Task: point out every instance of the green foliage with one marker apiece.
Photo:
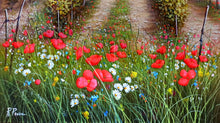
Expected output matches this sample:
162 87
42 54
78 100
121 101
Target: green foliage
64 6
168 9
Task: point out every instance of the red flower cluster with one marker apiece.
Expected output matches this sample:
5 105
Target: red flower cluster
122 54
152 56
186 77
58 44
180 56
191 63
29 48
48 34
94 60
103 75
61 35
113 48
99 45
79 53
161 50
6 44
123 45
158 64
87 81
203 58
17 44
111 57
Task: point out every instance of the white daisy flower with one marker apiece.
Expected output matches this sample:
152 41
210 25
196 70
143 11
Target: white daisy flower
44 50
16 71
76 96
125 84
176 66
132 88
116 94
43 56
38 53
50 64
112 70
21 65
59 53
183 64
143 59
74 102
177 61
127 89
42 46
83 95
115 66
20 69
118 86
128 79
136 86
56 57
165 74
29 64
50 57
26 72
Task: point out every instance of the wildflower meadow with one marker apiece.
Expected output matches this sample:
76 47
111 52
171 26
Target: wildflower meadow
111 74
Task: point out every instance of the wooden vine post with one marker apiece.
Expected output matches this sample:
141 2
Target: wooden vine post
58 18
15 36
176 26
202 31
6 34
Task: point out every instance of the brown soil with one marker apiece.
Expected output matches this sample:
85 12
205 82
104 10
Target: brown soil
194 24
98 18
142 16
29 9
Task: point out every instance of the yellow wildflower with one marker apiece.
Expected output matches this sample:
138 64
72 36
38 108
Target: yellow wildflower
207 73
57 98
200 73
56 79
35 100
6 68
133 74
170 90
54 83
86 114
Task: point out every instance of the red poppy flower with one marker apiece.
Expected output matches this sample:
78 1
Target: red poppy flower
25 32
6 44
112 42
29 48
121 54
177 47
70 32
40 36
194 52
94 60
86 50
191 74
48 34
13 30
123 45
62 35
113 48
103 75
152 56
17 44
99 45
74 72
203 58
87 81
191 63
58 44
111 57
188 75
161 50
113 35
180 56
79 53
158 64
139 52
183 81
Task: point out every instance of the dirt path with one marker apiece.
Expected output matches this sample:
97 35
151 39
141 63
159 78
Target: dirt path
99 17
142 16
194 24
29 9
